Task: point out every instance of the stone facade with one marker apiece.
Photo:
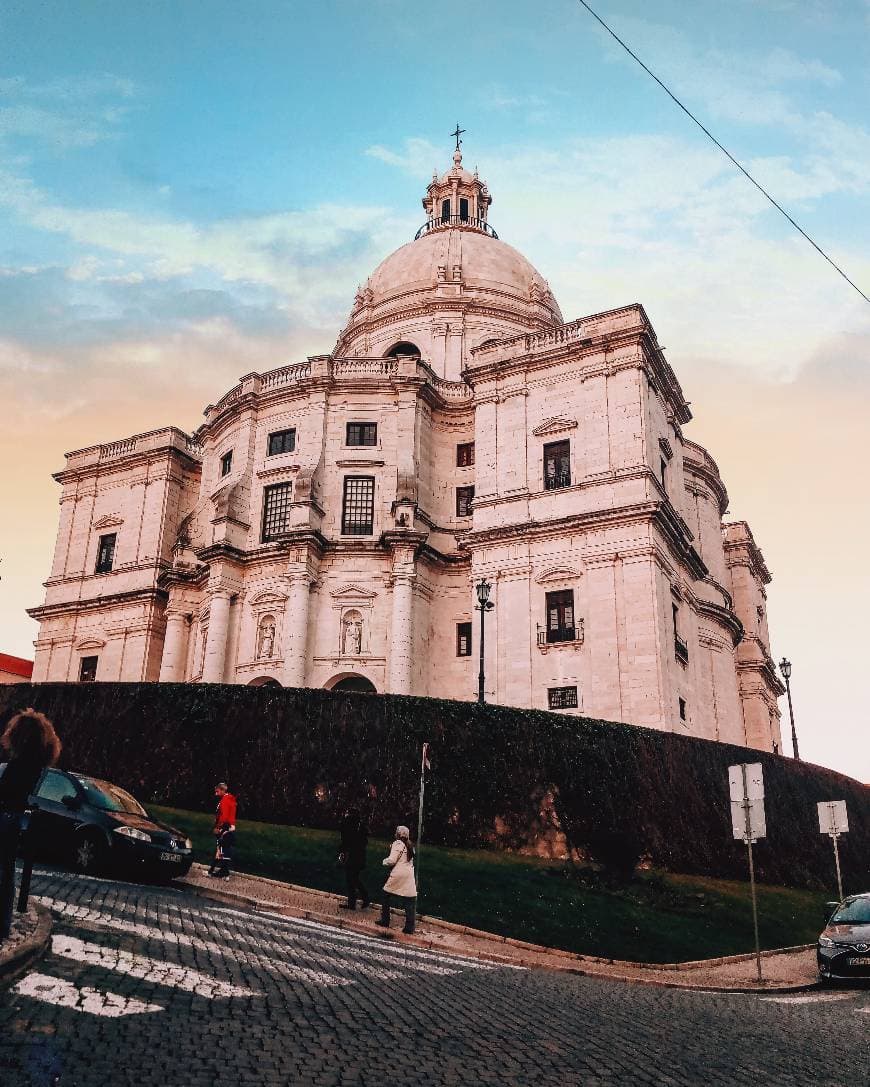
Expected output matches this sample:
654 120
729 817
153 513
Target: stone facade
328 522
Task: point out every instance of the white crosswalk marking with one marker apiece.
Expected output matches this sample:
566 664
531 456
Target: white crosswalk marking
67 995
148 969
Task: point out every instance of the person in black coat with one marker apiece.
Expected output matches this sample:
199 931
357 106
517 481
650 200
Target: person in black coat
29 744
354 839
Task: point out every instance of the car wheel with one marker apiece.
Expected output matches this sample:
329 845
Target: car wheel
89 853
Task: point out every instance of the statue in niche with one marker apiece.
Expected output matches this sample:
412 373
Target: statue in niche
351 634
266 648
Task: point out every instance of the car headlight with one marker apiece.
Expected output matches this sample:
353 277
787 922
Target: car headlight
132 832
826 941
188 844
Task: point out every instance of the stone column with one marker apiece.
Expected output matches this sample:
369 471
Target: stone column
296 629
401 633
216 639
174 647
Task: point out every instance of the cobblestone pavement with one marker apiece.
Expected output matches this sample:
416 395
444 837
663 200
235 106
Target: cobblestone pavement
150 987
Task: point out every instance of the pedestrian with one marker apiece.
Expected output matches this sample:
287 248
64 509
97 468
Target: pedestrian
401 884
29 744
354 839
224 831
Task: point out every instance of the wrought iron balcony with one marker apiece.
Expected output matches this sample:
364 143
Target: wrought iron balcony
557 480
560 634
441 221
681 650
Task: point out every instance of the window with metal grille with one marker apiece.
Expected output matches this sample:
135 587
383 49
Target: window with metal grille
106 553
463 639
362 434
227 463
88 669
358 506
560 616
562 698
464 498
557 465
281 441
276 503
465 454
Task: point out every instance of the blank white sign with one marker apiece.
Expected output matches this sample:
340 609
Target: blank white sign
833 818
757 822
754 781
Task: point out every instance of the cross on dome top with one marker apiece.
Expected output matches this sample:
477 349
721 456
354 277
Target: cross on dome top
457 199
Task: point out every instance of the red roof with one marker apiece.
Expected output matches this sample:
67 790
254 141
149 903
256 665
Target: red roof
18 666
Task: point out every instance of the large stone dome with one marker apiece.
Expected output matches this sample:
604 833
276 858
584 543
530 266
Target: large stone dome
451 289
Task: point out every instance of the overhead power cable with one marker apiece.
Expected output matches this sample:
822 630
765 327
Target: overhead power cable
723 149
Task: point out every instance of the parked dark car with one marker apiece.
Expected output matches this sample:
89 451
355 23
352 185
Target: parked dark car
844 945
97 827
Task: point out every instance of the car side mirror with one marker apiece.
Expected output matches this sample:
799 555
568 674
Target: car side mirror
71 802
829 910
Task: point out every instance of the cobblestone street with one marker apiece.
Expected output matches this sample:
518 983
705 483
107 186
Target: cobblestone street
148 986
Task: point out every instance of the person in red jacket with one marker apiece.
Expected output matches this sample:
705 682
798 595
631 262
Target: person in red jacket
224 831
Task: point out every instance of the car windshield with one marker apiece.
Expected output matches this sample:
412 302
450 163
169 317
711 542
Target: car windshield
100 794
856 912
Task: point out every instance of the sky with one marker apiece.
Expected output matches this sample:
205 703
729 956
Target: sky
193 190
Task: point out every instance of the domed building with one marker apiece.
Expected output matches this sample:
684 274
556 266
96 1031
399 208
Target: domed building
331 521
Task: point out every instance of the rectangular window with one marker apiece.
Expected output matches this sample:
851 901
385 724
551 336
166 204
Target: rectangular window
557 465
463 639
663 468
562 698
463 209
560 616
464 498
362 434
682 704
106 553
276 504
445 211
227 463
465 455
681 648
88 669
358 506
281 441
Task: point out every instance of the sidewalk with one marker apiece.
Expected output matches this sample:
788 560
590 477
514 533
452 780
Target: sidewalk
31 932
785 970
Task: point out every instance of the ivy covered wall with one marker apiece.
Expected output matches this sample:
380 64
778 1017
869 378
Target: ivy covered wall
500 776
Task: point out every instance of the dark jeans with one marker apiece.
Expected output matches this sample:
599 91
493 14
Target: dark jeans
226 844
355 885
409 905
10 832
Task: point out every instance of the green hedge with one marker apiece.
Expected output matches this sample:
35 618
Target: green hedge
299 756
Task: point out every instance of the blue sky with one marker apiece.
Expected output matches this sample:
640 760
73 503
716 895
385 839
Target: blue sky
189 191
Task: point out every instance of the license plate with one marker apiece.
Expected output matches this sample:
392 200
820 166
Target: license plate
176 857
859 960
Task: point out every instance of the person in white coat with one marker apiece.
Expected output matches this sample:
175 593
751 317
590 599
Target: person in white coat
401 884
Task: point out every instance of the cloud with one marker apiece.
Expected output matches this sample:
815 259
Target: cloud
419 158
63 113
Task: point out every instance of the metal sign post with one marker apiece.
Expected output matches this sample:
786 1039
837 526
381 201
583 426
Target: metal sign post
746 787
424 766
834 821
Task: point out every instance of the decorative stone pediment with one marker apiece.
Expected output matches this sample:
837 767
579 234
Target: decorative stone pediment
268 597
557 573
90 643
109 520
352 592
554 426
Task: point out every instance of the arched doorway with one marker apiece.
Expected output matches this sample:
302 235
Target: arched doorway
358 684
264 681
403 347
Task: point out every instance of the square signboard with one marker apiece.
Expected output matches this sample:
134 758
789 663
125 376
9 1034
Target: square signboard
833 818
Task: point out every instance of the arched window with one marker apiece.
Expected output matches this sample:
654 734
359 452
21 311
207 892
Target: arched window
403 347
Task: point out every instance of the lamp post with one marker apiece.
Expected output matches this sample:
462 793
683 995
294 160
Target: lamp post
785 668
484 604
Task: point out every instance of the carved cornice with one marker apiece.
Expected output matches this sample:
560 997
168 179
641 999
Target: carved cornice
724 617
110 600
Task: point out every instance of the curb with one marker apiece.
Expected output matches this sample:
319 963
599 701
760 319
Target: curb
29 950
587 969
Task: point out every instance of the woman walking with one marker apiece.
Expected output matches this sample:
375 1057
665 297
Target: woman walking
401 884
29 744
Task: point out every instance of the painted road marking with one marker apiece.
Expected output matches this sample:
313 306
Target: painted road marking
141 966
66 995
808 998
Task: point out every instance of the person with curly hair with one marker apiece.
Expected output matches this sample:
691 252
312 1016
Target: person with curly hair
29 744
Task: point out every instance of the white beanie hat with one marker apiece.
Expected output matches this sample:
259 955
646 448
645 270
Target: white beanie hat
403 832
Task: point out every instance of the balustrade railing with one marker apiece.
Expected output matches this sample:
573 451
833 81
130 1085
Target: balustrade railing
441 221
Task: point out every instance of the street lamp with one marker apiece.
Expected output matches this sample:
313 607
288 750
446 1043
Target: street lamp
484 604
785 668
